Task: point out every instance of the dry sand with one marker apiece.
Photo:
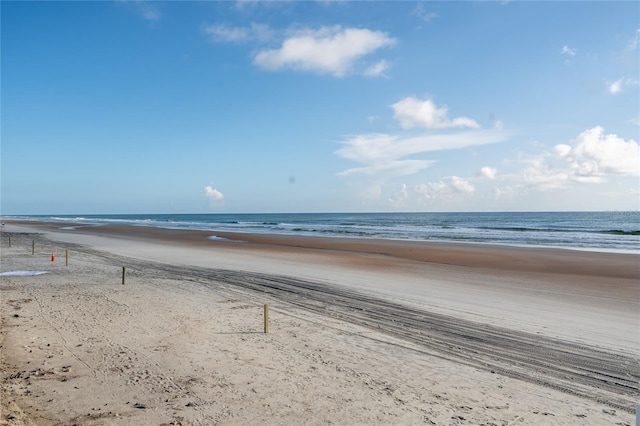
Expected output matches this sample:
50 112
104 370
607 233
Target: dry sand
361 332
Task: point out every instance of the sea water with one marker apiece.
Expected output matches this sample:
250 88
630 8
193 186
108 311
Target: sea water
600 231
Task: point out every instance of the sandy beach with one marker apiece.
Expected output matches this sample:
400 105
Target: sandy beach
360 331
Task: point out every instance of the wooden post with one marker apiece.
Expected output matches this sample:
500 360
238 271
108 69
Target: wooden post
9 241
33 247
66 257
123 275
266 319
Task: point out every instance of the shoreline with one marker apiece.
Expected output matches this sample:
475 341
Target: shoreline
357 336
477 255
74 223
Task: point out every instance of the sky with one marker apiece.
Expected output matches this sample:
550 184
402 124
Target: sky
114 107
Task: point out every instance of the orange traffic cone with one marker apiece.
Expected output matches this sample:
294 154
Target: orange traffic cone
53 256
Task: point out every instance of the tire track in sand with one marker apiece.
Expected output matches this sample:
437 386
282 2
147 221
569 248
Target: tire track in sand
582 370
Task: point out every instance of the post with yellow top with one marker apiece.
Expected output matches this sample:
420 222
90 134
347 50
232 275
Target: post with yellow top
266 319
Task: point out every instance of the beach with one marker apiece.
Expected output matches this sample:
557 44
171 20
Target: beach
360 331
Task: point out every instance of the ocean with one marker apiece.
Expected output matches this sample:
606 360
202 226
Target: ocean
599 231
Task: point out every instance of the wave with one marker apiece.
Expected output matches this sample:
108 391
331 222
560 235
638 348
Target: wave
556 230
522 229
620 232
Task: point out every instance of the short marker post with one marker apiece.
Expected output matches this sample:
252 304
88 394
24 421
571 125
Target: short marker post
66 257
9 241
266 319
33 247
123 275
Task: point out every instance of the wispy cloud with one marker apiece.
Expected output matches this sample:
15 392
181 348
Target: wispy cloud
633 43
249 6
224 33
377 148
617 86
378 69
568 52
390 168
328 50
147 10
421 12
246 4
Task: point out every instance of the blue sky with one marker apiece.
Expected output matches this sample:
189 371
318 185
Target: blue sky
187 107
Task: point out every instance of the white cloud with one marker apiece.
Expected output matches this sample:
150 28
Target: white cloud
370 148
589 158
445 188
331 50
383 153
216 197
539 174
255 32
412 112
615 87
377 70
562 150
595 154
488 172
392 167
461 185
618 85
377 148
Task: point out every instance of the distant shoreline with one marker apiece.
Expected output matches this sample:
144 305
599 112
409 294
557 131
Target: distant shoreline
530 259
88 221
